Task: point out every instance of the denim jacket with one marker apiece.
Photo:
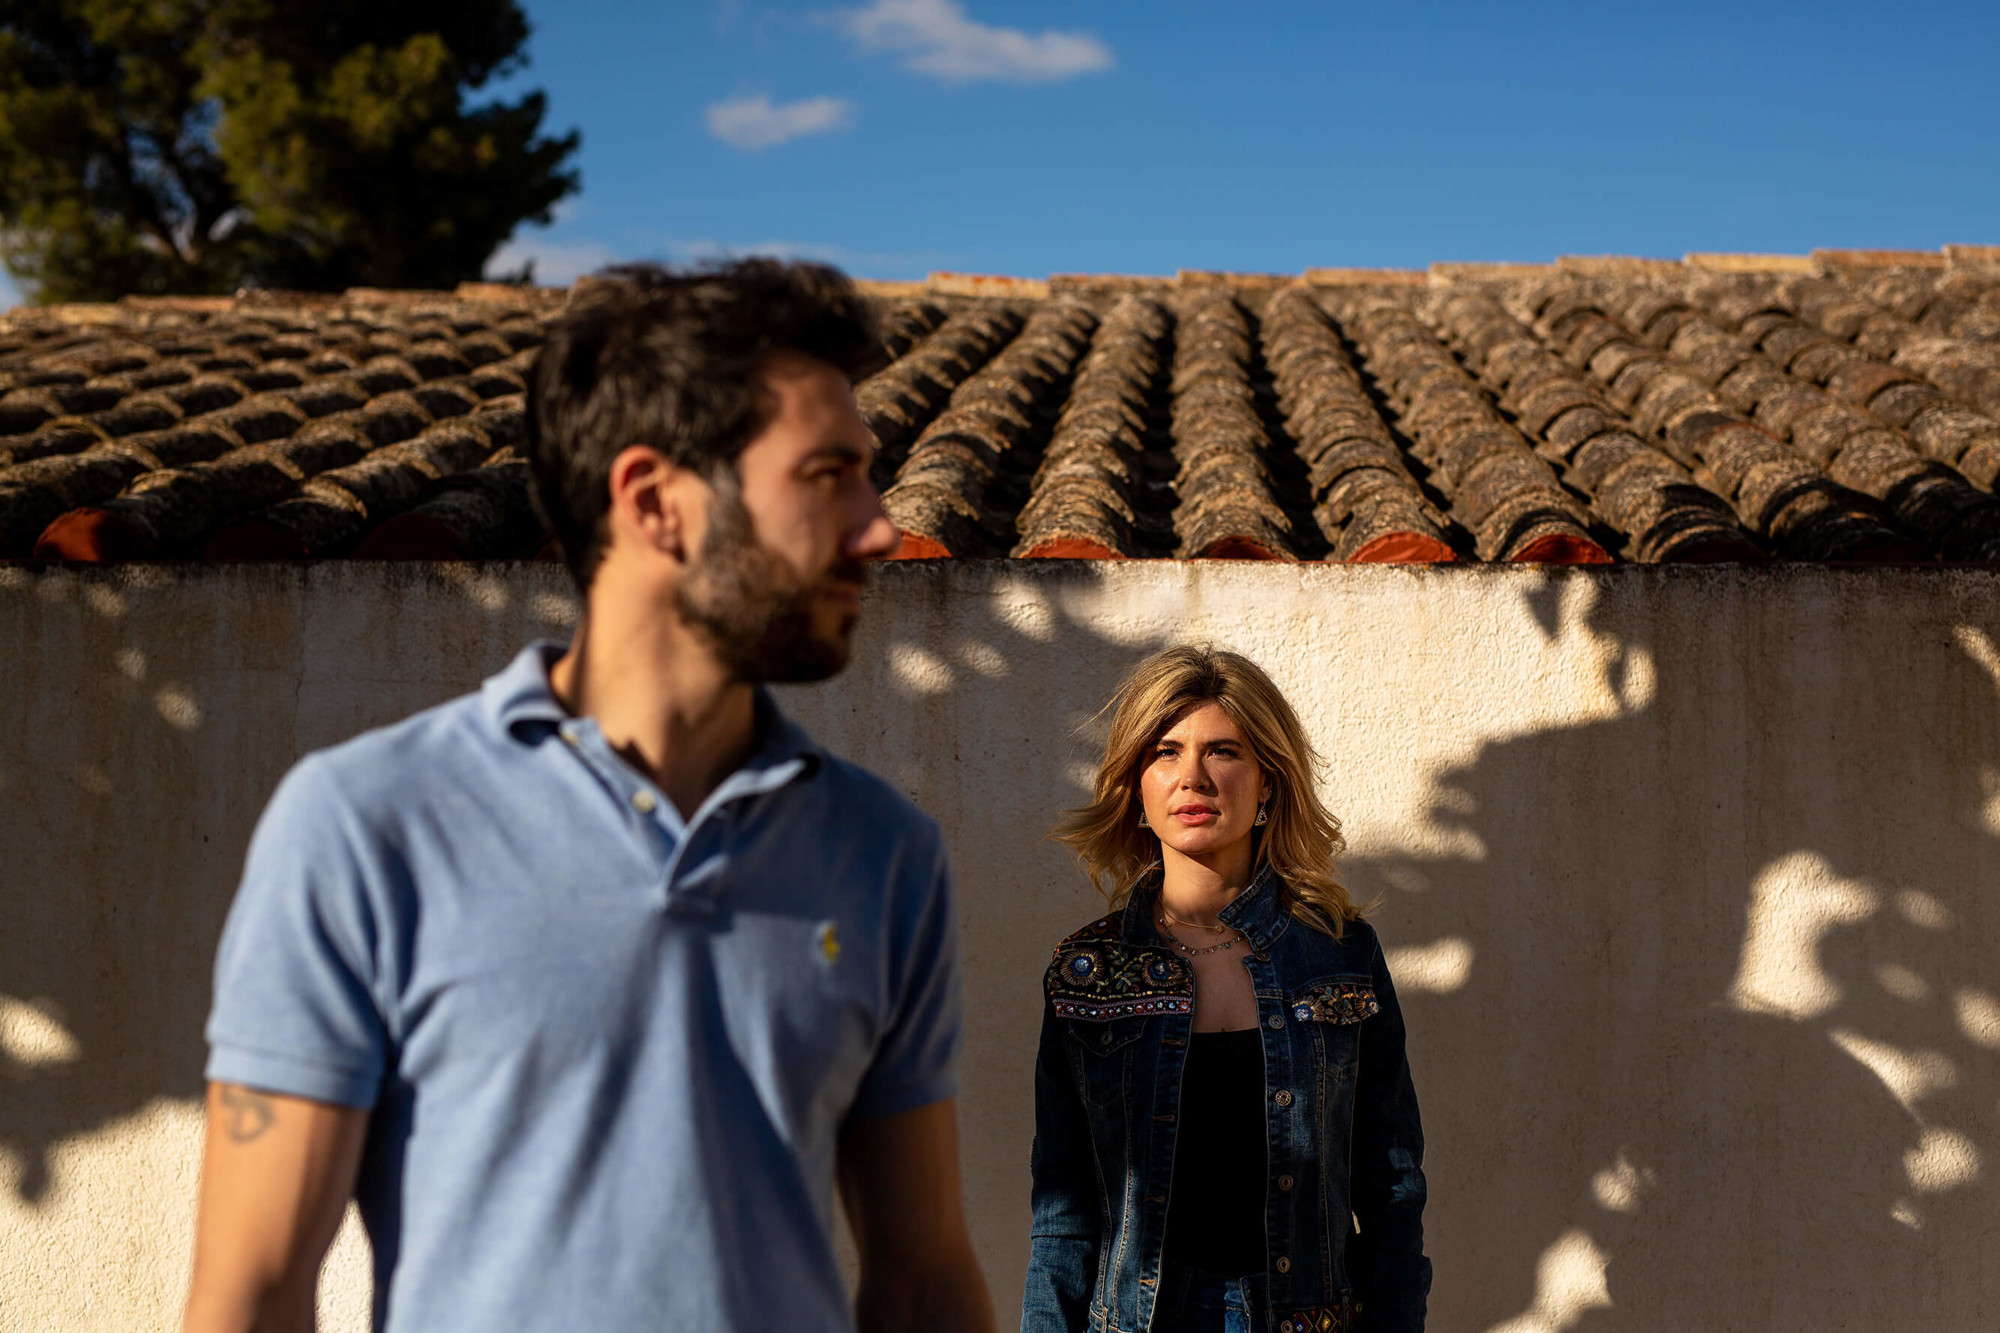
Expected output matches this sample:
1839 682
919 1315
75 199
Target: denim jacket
1344 1145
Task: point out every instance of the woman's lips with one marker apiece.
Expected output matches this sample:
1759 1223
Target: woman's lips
1195 814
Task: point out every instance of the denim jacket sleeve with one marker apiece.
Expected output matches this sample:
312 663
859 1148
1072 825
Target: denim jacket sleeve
1062 1261
1386 1262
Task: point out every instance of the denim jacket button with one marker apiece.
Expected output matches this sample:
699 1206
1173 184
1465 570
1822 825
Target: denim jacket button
1284 1182
1282 1264
1275 1020
1283 1097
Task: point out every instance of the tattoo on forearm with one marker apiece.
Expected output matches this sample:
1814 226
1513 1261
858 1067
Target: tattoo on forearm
249 1113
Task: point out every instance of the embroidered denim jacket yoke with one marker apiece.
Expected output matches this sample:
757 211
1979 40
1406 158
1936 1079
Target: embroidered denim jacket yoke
1345 1146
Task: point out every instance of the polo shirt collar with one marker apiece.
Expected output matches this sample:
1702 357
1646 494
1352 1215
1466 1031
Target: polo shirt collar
521 703
519 696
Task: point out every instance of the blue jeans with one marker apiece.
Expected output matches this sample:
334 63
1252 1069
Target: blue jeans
1193 1300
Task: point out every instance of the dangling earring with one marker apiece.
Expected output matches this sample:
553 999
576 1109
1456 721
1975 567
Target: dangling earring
1142 820
1262 818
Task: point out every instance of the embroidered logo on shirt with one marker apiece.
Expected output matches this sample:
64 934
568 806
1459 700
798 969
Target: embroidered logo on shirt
829 943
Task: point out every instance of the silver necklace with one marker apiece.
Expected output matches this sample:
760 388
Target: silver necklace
1190 951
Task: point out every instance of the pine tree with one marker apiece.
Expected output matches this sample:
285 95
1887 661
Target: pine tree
194 146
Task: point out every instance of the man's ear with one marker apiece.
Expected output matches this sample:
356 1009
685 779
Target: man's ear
652 502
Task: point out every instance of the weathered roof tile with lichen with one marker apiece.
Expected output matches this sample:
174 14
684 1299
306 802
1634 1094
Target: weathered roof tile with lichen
1843 406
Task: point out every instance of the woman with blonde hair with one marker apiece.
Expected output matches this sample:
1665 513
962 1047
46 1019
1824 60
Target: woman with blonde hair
1226 1135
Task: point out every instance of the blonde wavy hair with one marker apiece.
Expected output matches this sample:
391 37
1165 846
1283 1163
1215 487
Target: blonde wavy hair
1302 838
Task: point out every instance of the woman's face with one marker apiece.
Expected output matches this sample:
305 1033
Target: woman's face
1199 785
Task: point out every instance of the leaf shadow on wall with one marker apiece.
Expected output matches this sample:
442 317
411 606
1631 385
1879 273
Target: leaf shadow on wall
1725 978
154 721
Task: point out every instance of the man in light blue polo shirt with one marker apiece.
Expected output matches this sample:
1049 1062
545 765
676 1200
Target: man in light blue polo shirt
596 986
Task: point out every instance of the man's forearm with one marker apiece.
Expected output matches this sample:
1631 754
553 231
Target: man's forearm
945 1298
277 1308
899 1181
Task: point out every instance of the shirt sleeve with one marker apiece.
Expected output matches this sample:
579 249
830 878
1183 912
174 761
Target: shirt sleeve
916 1062
295 1009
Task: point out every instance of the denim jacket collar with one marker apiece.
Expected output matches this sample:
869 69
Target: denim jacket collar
1258 912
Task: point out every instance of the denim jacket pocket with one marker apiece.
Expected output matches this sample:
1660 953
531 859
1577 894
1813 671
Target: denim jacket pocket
1342 1000
1102 1039
1101 1054
1333 1012
1106 992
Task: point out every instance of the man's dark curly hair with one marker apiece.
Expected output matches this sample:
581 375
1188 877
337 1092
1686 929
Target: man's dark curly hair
672 359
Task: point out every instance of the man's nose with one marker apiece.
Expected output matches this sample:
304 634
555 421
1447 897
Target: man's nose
875 537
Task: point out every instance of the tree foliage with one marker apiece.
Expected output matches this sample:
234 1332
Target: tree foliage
194 146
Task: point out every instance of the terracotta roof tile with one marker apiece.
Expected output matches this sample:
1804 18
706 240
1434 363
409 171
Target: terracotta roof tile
898 402
1645 496
335 508
1092 486
482 514
954 480
1834 407
1366 277
1775 491
1225 504
1495 483
1881 258
1366 502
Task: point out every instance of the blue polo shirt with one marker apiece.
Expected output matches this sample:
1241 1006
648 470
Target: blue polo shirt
607 1051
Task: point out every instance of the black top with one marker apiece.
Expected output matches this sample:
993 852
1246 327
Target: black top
1215 1209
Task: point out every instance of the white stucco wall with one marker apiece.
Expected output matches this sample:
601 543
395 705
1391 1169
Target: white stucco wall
1689 875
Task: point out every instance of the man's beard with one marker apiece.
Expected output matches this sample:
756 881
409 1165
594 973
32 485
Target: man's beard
753 611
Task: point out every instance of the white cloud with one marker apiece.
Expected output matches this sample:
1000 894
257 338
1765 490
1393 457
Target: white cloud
937 37
754 122
557 263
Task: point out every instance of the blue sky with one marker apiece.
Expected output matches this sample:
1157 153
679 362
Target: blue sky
900 136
